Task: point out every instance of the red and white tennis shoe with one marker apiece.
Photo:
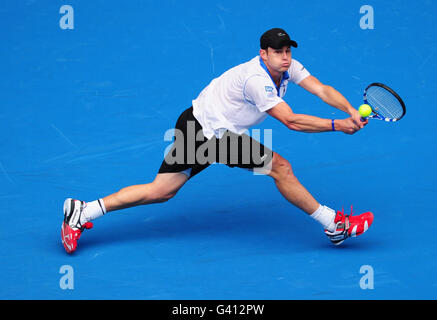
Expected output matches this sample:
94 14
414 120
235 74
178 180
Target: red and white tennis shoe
349 226
72 226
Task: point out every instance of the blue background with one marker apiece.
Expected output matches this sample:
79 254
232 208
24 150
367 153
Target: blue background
84 113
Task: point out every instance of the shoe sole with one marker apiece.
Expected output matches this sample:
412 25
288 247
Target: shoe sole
68 206
338 243
353 234
67 247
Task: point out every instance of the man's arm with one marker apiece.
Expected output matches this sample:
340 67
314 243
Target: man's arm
307 123
332 97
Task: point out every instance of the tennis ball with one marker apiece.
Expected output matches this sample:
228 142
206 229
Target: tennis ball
365 110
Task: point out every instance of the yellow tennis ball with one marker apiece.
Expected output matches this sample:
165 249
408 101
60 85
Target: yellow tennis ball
365 110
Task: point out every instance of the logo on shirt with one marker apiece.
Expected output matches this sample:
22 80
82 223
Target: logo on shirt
268 89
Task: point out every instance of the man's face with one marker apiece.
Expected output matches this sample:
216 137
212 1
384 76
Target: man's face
277 60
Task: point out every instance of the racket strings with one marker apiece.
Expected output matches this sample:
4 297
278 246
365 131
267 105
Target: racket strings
384 103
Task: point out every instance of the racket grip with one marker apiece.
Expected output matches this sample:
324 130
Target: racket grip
362 119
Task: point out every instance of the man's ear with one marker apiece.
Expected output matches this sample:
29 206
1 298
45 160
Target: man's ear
263 54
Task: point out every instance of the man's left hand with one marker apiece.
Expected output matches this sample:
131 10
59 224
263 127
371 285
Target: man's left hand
356 118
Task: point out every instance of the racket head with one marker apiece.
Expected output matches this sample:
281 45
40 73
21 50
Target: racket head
386 104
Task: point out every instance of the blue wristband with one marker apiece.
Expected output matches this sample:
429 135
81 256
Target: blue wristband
333 127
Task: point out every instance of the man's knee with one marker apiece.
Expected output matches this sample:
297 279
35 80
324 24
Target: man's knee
281 168
165 186
161 193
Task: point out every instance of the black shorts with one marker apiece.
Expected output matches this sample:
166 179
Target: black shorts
191 152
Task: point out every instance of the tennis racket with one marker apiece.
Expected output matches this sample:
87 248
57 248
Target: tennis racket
386 104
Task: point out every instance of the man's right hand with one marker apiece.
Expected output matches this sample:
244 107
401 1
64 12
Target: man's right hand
347 125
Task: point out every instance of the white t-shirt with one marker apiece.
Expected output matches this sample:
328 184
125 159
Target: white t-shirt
238 99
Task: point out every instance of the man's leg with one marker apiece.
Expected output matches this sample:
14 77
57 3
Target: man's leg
78 214
164 187
253 155
292 190
279 169
338 226
289 186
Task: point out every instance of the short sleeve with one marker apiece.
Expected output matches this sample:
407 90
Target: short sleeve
261 92
297 72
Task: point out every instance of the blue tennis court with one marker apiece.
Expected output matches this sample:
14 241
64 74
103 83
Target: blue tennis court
84 112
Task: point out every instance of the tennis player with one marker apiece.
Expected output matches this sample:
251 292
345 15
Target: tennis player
213 130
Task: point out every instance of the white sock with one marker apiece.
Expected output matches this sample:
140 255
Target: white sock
325 216
93 210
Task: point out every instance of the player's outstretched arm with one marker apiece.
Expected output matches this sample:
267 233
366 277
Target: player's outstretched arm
307 123
332 97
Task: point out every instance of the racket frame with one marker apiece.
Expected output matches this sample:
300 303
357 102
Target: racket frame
375 114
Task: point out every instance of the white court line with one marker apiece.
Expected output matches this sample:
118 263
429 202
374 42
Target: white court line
63 135
6 174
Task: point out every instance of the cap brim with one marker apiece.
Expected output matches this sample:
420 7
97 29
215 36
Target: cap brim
286 43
